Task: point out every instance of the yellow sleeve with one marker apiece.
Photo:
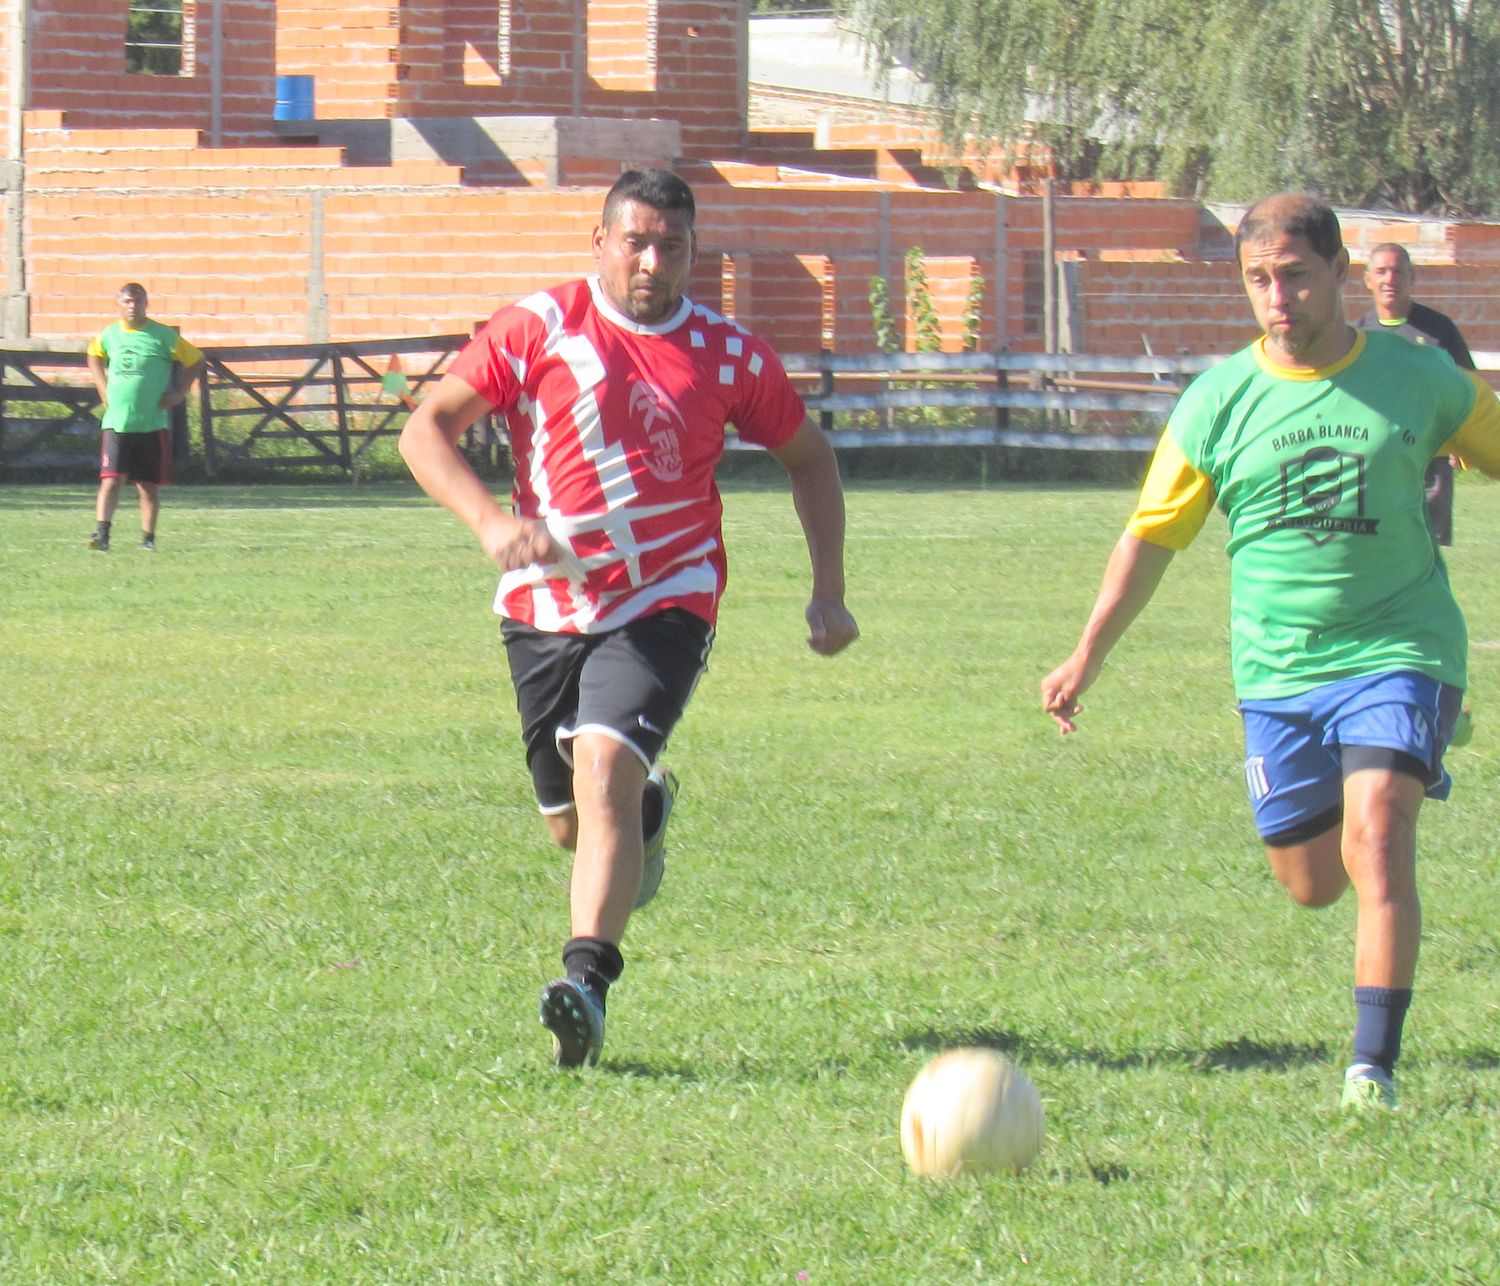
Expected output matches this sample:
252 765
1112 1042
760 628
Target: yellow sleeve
185 353
96 349
1175 498
1477 442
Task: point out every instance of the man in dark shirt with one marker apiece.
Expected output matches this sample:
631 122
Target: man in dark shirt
1388 278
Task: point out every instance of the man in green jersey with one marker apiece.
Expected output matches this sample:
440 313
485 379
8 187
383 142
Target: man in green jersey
132 364
1348 649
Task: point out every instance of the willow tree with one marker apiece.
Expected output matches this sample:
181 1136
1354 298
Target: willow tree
1374 102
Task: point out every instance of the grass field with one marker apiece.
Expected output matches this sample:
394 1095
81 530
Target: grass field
275 908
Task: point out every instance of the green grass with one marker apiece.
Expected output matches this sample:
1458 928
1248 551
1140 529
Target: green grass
275 907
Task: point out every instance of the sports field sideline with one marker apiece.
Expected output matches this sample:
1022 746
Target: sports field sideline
275 906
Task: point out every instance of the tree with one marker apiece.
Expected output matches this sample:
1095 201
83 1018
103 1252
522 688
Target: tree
1372 102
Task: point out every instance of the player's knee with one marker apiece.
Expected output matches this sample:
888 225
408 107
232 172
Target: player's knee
1313 875
1381 861
563 829
606 774
1314 891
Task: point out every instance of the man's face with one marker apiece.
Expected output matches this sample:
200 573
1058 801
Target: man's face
1297 298
1388 278
644 258
132 306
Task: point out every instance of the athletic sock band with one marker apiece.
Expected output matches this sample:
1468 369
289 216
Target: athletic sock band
593 962
1379 1015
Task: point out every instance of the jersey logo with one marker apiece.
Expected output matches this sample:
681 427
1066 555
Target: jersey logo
662 426
1315 484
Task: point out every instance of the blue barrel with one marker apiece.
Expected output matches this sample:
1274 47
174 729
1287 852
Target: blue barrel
294 98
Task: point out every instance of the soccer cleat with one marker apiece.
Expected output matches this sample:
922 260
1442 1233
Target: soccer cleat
574 1016
148 542
100 541
1368 1089
665 784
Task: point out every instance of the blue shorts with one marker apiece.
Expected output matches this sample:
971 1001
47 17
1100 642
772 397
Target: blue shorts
1299 749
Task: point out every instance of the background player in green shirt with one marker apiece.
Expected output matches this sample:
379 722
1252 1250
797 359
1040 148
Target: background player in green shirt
132 366
1349 652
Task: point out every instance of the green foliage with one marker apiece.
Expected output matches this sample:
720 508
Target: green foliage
275 906
974 312
887 337
153 37
929 329
1370 102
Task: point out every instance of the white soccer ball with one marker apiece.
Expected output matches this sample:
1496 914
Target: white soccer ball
970 1110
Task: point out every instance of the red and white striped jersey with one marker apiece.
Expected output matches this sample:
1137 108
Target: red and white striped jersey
616 428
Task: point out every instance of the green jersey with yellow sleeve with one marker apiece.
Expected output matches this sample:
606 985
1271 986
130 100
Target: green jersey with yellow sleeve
1333 572
139 371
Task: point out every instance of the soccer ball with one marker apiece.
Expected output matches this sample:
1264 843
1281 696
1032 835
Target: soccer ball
970 1110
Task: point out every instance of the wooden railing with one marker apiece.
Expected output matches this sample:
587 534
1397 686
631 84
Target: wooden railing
323 405
255 407
966 399
271 407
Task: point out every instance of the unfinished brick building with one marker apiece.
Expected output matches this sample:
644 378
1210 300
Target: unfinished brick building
455 156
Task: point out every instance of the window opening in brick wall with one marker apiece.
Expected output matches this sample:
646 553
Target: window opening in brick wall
156 34
1033 288
726 286
828 318
621 42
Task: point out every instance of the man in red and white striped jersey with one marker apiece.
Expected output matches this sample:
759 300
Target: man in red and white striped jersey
616 390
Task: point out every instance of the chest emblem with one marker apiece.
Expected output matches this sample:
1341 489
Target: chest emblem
661 430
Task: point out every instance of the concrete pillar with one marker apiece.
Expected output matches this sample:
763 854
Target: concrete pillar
317 294
15 304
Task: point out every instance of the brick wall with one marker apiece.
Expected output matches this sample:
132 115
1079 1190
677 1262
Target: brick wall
230 249
676 59
78 66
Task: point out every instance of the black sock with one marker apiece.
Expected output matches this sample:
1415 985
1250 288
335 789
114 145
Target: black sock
1379 1015
593 963
148 535
101 529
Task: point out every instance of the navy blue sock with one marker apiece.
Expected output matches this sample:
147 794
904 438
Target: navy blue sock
594 963
1379 1014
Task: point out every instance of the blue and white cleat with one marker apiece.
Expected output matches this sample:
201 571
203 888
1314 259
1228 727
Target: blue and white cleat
664 783
574 1016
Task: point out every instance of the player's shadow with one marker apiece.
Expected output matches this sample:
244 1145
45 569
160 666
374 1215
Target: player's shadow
649 1071
1227 1056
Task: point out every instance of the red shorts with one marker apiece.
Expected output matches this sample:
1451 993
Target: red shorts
137 457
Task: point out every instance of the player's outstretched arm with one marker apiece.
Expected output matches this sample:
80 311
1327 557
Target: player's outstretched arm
1131 576
818 495
429 445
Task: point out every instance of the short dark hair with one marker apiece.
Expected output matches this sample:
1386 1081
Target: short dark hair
132 288
1291 214
660 189
1390 247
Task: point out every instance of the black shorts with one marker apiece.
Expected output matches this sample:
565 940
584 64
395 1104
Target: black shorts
632 684
137 457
